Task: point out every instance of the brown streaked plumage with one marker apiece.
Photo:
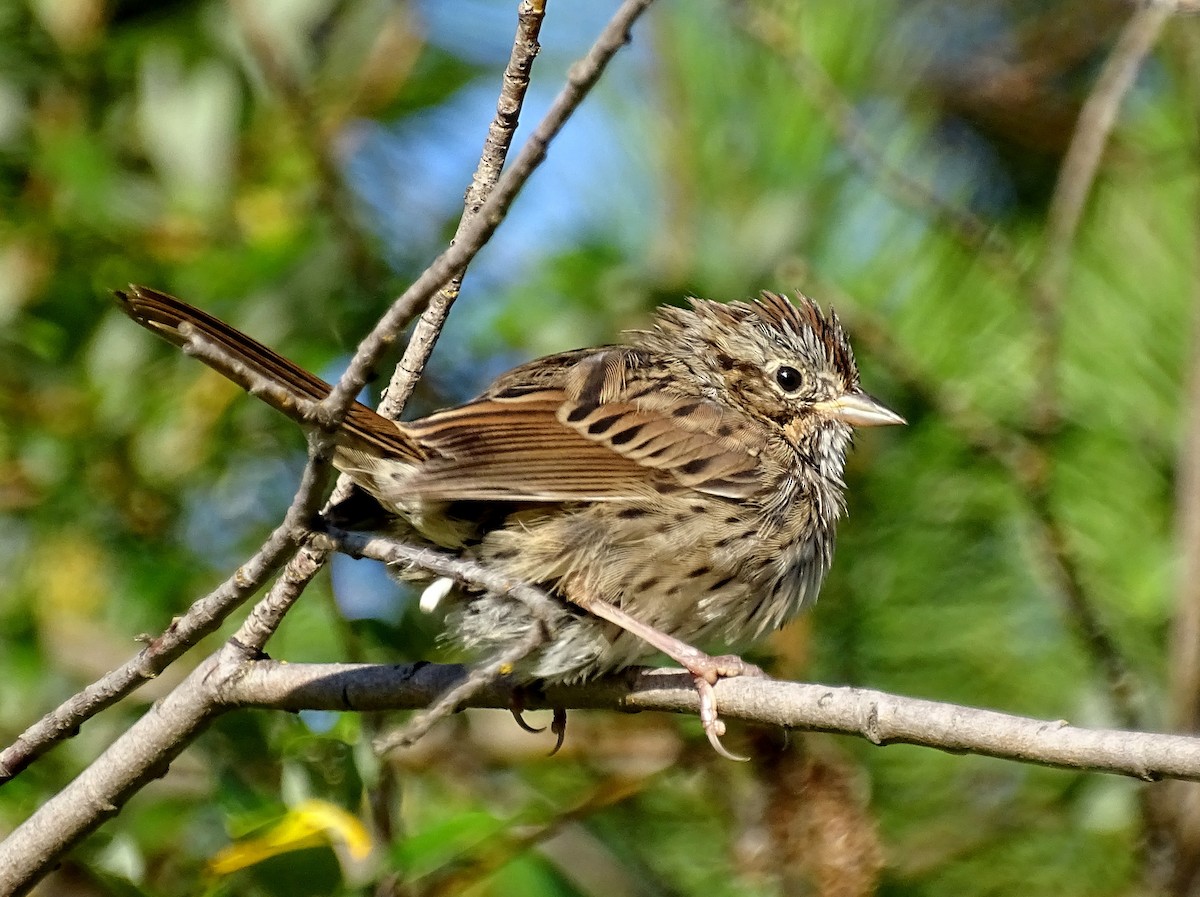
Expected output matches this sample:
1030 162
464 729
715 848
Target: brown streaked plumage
682 488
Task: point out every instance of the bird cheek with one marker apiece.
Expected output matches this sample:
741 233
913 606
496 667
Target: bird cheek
795 428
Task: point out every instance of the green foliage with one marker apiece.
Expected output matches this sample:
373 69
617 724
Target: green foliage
151 146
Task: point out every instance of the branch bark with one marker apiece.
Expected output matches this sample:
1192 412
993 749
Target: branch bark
227 680
207 613
145 751
879 717
487 173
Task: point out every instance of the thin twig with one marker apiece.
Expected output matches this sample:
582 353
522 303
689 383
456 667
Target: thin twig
780 37
1076 178
491 160
543 609
266 616
581 77
206 614
441 563
479 676
1097 118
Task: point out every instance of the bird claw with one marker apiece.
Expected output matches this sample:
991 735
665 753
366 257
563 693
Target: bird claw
516 707
714 728
518 714
705 668
558 725
724 666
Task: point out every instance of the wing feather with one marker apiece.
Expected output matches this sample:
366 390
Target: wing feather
580 426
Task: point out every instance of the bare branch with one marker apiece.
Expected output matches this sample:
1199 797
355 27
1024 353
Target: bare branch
204 617
266 616
878 717
487 173
1076 176
206 614
1093 129
582 76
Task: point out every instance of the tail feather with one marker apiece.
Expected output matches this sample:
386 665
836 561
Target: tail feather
165 315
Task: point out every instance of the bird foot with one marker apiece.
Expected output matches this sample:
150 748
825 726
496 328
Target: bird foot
722 666
558 722
705 668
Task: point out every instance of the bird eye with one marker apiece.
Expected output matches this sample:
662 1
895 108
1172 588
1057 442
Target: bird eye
788 379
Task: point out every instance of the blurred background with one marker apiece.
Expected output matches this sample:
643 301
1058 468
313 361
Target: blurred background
1029 543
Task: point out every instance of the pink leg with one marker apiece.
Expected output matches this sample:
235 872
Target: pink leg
705 668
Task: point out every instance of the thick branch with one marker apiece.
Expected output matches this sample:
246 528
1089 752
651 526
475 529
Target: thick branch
202 618
879 717
139 756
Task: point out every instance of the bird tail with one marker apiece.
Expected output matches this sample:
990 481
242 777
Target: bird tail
249 364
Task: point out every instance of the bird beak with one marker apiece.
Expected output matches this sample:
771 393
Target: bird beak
860 410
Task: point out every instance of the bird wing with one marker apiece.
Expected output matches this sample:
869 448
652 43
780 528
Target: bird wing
587 425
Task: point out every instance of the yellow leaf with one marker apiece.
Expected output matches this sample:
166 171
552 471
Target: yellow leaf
308 824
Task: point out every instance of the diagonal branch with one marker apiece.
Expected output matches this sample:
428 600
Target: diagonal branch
1097 118
201 619
207 613
487 173
770 30
581 78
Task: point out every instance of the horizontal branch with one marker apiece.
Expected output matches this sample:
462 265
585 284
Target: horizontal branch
877 716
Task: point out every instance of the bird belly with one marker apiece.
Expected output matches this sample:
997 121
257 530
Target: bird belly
698 568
